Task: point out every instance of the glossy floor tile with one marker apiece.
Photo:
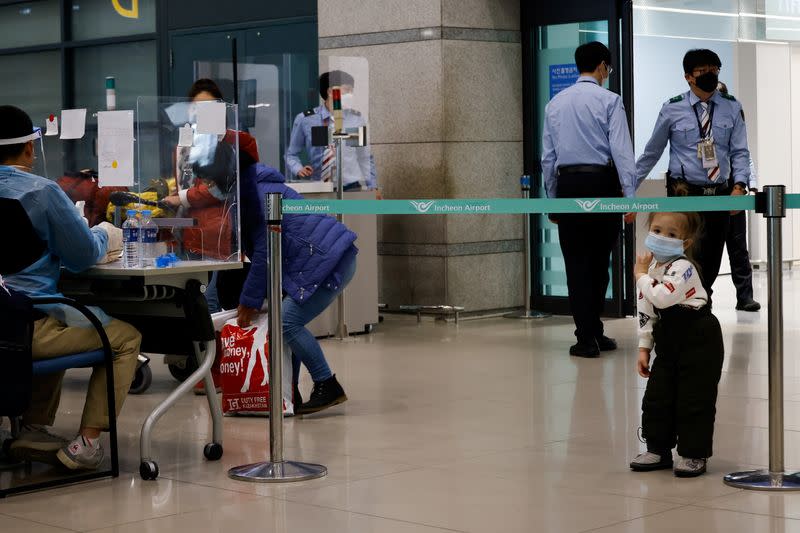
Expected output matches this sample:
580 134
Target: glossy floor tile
484 426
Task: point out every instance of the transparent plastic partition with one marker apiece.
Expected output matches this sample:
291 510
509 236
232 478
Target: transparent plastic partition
259 99
187 175
279 104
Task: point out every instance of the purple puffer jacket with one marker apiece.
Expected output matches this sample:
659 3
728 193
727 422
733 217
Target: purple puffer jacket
315 247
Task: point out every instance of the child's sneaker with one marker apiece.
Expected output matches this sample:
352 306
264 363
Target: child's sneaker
81 454
688 467
649 461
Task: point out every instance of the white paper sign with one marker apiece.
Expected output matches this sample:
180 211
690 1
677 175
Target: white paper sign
211 118
73 123
52 125
186 136
115 148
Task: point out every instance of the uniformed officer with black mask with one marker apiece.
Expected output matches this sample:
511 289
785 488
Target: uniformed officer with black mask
708 143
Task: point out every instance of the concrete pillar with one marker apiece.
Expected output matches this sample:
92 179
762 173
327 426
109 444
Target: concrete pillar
446 122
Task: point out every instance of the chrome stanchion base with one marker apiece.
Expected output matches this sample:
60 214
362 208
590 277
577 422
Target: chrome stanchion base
269 472
528 315
764 480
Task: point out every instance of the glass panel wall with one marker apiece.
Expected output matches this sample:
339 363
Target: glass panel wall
95 19
30 23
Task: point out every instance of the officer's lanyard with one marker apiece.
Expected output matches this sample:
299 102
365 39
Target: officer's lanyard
711 107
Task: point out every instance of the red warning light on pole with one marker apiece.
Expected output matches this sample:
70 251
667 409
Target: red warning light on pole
336 94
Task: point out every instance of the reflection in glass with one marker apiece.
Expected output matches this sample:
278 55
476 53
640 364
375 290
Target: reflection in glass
30 23
95 19
39 95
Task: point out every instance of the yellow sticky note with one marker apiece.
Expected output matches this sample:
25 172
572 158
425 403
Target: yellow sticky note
114 164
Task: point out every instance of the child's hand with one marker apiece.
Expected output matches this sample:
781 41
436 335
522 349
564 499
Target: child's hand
644 363
642 264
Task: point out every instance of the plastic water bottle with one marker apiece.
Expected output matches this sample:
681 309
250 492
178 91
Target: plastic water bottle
149 233
131 243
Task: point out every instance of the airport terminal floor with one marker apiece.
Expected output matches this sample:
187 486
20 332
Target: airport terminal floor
485 426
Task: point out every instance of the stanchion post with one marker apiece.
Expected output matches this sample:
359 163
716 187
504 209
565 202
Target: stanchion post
771 203
528 312
277 469
341 326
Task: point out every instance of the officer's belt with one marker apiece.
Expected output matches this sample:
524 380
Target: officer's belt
585 169
701 190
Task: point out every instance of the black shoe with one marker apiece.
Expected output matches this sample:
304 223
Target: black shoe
585 349
606 344
297 398
325 394
748 305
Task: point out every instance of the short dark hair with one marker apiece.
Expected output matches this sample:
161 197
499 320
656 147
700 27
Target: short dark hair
721 87
205 85
334 78
700 57
589 56
221 169
14 122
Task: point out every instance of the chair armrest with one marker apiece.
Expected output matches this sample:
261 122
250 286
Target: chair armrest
85 311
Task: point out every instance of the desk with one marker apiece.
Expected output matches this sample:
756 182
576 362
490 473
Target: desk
159 301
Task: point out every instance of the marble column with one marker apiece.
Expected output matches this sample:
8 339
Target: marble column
446 122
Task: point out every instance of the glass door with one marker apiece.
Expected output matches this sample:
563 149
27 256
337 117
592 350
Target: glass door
552 37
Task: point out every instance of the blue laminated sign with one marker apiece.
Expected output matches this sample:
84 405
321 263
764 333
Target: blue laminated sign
561 77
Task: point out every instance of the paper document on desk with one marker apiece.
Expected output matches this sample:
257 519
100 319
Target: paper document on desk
115 148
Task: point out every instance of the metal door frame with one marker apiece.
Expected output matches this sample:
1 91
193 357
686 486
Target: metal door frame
619 15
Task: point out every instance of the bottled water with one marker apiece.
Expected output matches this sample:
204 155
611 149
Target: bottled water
149 233
131 241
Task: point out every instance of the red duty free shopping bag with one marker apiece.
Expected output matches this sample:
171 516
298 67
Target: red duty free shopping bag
244 369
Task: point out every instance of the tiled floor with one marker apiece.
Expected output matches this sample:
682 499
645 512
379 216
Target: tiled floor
487 426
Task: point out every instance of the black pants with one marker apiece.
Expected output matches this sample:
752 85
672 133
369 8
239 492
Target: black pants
741 270
711 243
586 244
679 404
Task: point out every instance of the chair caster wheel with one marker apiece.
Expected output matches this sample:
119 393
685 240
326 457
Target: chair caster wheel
213 451
141 380
148 470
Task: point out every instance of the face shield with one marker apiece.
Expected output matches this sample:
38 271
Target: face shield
39 164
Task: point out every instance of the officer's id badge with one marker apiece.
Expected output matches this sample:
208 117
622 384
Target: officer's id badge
707 152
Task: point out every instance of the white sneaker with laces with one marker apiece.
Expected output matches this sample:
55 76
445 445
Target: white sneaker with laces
649 461
81 454
689 467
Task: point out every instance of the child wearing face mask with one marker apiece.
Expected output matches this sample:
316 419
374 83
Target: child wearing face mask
675 318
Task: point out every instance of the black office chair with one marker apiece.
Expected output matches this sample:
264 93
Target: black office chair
21 246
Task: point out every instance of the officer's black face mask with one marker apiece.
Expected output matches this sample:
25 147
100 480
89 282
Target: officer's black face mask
707 82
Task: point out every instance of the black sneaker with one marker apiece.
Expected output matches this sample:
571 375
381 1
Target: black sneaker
748 305
297 398
606 344
325 394
585 349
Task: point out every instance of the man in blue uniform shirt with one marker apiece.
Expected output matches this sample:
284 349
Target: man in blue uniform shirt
358 166
707 144
587 152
